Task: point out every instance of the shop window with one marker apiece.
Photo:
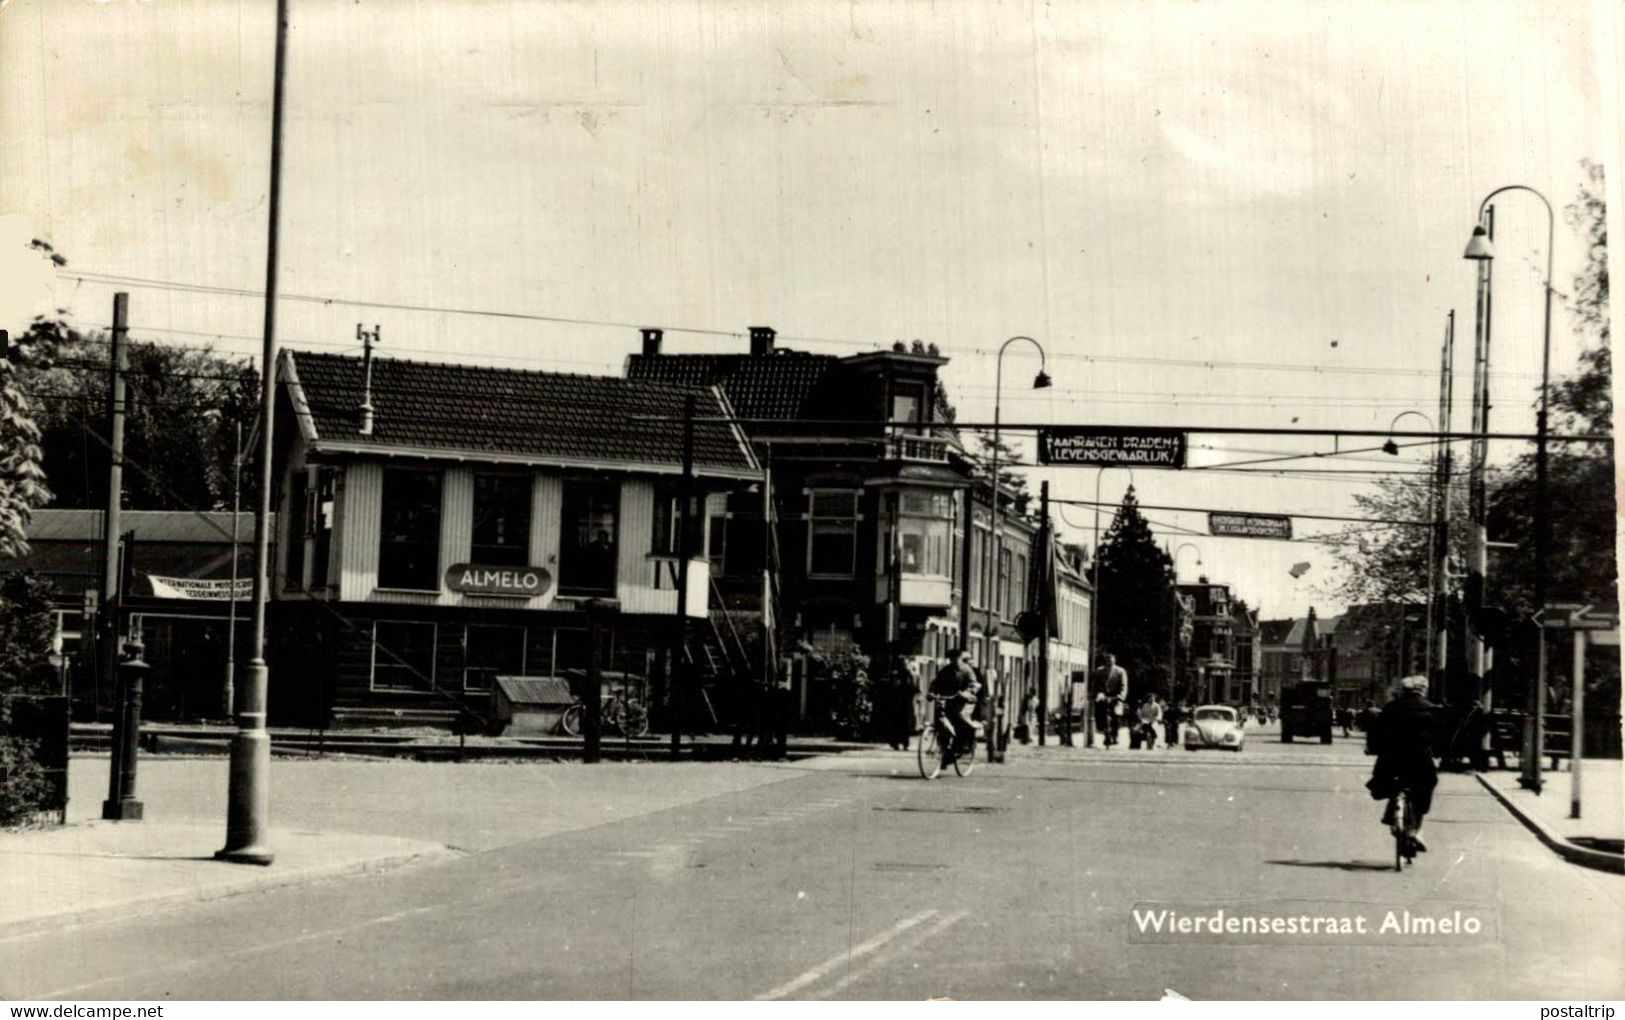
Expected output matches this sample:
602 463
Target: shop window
490 651
402 655
501 520
588 542
409 545
832 533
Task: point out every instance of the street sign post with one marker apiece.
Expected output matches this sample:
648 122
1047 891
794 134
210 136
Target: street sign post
1250 525
1111 446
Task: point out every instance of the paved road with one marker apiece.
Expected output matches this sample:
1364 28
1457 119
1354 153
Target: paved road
850 877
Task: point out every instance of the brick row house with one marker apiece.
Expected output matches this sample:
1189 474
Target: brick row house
866 520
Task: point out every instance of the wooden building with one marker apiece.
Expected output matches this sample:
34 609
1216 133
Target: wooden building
459 530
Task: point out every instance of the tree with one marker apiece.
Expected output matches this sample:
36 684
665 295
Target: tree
1135 615
22 473
182 409
1580 476
1011 482
1389 564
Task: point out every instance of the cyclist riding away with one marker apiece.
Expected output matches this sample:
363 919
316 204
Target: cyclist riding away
956 683
1404 740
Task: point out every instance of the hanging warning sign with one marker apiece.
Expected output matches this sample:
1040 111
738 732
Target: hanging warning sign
1250 525
1111 446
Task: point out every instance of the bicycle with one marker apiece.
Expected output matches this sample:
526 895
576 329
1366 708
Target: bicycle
620 713
938 741
1404 820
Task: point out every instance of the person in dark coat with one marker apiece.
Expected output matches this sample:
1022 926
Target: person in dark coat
1405 746
900 716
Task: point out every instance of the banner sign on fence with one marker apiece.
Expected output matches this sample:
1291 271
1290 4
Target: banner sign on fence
196 588
1250 525
1111 446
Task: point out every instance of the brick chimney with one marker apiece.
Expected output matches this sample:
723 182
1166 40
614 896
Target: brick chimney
651 340
761 340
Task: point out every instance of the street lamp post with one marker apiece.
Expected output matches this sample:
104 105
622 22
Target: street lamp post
1481 249
1435 573
996 547
248 793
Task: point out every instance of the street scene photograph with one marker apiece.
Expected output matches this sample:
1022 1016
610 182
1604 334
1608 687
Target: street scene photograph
752 501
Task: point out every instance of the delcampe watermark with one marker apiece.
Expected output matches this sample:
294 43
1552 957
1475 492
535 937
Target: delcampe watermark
1293 921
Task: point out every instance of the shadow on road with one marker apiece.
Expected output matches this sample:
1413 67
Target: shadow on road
1339 865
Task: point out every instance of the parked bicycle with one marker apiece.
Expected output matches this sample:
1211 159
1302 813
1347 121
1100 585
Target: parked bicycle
939 745
620 714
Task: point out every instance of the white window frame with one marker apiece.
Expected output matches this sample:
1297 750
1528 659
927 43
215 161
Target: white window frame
812 530
524 649
372 667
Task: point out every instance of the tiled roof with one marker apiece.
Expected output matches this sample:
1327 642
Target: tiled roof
783 384
1274 632
148 525
546 417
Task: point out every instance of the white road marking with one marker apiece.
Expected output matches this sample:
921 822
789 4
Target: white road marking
881 959
861 949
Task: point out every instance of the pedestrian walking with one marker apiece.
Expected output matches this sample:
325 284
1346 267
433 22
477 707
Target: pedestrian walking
1171 719
1026 715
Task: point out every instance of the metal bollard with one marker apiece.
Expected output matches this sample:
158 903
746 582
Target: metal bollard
121 805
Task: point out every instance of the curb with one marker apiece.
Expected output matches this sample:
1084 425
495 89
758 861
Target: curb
30 927
1584 856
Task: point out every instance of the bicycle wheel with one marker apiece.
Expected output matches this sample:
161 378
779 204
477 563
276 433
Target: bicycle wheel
631 718
1402 810
965 760
929 753
571 723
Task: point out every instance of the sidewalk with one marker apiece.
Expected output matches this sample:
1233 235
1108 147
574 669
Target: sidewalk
328 818
1593 839
94 871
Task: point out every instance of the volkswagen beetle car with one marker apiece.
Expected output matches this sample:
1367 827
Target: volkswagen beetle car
1214 726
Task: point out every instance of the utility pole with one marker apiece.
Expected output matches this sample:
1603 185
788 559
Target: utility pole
1478 545
1438 596
966 574
229 690
681 667
249 789
120 804
1046 578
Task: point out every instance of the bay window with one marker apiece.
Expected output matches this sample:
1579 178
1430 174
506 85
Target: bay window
925 532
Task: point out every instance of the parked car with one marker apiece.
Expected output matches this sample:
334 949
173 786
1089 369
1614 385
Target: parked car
1214 726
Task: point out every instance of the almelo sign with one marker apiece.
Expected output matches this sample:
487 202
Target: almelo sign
1111 446
474 579
1250 525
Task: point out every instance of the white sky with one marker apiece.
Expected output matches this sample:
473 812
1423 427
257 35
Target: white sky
1172 197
